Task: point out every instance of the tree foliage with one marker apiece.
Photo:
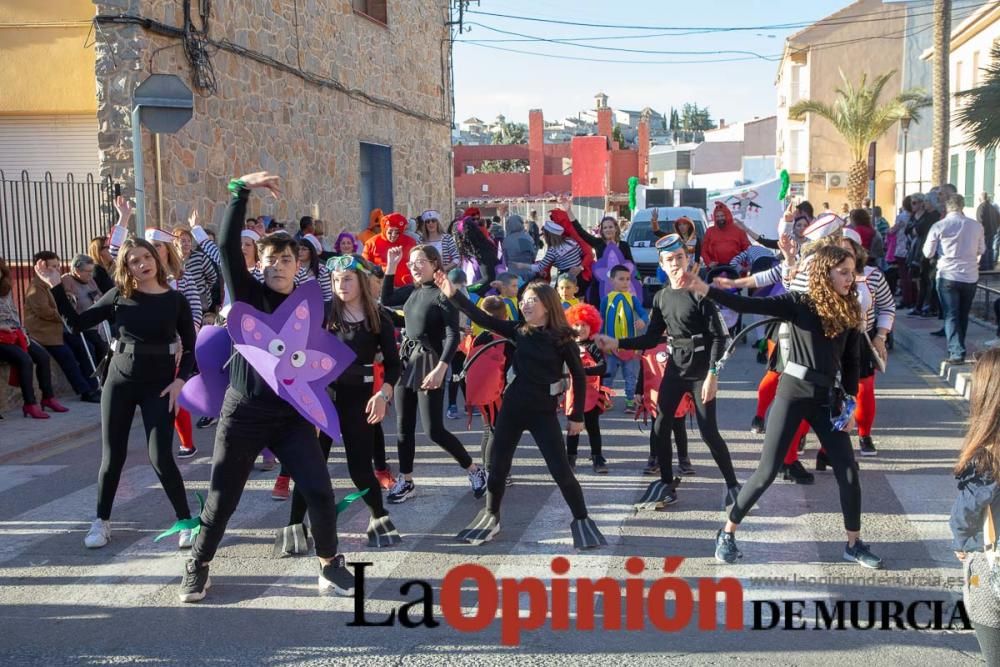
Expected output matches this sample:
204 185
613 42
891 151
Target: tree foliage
980 112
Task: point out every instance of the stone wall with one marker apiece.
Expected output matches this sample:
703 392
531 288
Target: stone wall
261 117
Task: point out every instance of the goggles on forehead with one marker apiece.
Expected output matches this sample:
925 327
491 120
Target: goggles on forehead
346 263
669 243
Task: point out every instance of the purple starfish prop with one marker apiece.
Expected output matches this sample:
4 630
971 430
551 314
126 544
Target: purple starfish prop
611 258
203 394
293 353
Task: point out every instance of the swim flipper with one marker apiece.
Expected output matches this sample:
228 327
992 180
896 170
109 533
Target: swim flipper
586 535
482 529
291 541
382 533
658 495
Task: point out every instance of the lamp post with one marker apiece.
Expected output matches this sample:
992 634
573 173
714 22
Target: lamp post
904 124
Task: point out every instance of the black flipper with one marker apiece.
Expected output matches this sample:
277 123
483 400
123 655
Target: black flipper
658 494
382 533
586 535
482 529
291 541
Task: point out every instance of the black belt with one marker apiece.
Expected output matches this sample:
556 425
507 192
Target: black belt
358 374
144 348
809 375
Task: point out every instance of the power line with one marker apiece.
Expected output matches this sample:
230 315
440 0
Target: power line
605 60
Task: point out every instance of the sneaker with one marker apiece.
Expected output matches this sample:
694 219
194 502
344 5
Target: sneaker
684 466
600 465
280 490
186 452
185 539
862 555
99 534
796 472
629 407
726 550
652 466
992 342
335 577
955 361
205 422
401 490
195 582
757 424
452 412
477 479
915 312
867 446
385 478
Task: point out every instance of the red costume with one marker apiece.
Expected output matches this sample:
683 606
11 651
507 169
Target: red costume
377 247
722 243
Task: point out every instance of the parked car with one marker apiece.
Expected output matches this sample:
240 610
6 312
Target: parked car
642 241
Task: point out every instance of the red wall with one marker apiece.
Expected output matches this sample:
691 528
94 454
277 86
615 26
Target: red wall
474 155
590 166
501 185
624 165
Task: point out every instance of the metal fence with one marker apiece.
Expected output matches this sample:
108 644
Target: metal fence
61 216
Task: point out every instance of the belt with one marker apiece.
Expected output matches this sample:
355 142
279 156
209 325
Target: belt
143 348
364 373
691 342
555 389
808 374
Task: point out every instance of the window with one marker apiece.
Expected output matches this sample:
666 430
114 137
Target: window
953 170
956 85
970 177
376 180
975 69
990 172
797 151
376 10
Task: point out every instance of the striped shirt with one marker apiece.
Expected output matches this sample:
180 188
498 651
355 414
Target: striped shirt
304 276
744 260
565 256
200 270
448 248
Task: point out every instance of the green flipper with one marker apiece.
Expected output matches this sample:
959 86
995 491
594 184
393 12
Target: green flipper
193 524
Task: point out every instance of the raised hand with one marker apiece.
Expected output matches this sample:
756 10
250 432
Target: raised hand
193 218
654 216
48 275
692 283
124 208
788 247
446 286
393 258
262 179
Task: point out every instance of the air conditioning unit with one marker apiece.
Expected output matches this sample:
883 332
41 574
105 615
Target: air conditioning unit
836 180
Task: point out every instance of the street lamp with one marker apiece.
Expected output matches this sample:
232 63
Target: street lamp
904 124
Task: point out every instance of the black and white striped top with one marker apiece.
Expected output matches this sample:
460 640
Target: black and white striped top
447 247
565 256
200 269
304 276
745 259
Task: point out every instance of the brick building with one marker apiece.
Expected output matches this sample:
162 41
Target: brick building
594 169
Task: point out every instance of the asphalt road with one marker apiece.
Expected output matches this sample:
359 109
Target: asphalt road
63 604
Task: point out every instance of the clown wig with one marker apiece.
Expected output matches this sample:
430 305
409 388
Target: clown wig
584 313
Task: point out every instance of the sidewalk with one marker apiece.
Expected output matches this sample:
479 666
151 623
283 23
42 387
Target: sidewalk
18 435
913 335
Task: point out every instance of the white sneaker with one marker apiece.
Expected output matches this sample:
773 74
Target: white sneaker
99 535
185 540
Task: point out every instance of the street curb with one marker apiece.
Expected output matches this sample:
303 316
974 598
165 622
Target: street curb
51 443
958 378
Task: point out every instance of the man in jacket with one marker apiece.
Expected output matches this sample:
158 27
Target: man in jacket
723 240
989 217
518 246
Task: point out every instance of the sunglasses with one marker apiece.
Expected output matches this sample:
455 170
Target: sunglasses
346 263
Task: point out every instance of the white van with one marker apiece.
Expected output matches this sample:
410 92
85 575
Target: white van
642 241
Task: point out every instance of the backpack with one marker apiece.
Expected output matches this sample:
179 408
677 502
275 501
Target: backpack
484 375
597 395
654 364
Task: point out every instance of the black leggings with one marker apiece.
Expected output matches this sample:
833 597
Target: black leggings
119 400
592 422
517 416
680 437
246 426
358 437
378 448
34 362
431 406
457 362
782 423
672 390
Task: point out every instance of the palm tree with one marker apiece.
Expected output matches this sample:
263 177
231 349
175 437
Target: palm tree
942 110
860 119
978 115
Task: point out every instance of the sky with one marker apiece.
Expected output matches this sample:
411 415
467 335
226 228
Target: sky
490 82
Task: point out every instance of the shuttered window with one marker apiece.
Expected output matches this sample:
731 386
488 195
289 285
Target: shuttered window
59 145
970 177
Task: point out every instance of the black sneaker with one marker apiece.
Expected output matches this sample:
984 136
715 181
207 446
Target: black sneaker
205 422
726 550
600 465
867 446
186 452
401 490
195 582
335 577
796 472
684 467
757 424
652 466
862 555
477 480
91 397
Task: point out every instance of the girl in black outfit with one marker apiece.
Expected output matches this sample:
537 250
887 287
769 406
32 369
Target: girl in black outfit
143 372
825 341
358 321
543 343
253 416
430 340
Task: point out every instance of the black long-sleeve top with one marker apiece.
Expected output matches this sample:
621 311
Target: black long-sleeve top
598 243
600 366
680 314
103 279
809 345
538 360
428 317
366 345
145 319
245 288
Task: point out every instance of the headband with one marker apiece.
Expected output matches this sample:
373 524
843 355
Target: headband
669 243
152 235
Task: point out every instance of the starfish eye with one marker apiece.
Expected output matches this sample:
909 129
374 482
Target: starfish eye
298 359
276 347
